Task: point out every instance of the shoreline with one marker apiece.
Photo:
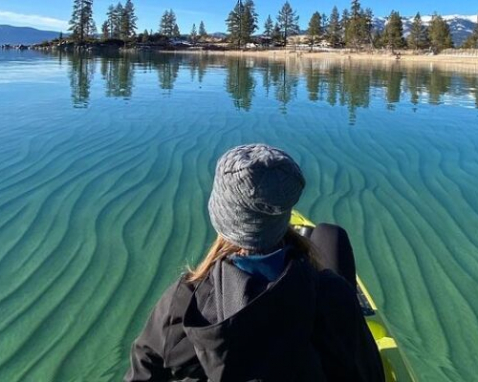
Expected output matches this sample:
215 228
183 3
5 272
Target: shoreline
467 61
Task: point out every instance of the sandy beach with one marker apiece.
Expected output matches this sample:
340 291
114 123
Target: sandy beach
464 59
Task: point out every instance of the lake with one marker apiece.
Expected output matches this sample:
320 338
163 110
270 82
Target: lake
106 165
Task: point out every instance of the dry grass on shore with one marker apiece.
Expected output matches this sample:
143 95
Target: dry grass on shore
468 61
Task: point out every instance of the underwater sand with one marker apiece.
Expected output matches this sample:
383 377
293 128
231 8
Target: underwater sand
106 164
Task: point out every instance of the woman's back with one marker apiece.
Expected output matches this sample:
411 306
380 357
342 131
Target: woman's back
250 314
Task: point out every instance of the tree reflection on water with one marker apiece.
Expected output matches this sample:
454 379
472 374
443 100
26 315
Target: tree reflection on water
337 83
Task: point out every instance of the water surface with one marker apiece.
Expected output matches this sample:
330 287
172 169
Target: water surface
106 164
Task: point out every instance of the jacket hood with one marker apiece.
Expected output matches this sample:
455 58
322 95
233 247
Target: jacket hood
240 324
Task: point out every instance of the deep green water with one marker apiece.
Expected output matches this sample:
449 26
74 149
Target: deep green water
106 165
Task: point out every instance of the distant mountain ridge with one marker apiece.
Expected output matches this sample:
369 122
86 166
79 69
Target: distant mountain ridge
461 26
24 35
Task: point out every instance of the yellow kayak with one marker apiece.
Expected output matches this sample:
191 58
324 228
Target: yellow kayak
395 365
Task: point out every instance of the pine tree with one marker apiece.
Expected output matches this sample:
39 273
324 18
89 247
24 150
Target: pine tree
176 32
324 20
250 20
333 29
124 25
268 27
105 31
276 34
145 36
393 34
242 22
378 40
439 33
115 14
344 23
202 31
82 24
315 28
355 9
367 25
128 21
418 37
288 22
193 36
168 23
355 28
111 20
234 24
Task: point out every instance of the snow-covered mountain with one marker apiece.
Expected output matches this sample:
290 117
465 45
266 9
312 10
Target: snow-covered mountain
461 26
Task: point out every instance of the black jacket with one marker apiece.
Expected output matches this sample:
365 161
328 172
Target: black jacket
305 326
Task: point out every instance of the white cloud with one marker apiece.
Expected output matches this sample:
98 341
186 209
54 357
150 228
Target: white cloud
35 21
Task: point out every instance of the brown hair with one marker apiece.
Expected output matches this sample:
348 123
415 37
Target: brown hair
221 248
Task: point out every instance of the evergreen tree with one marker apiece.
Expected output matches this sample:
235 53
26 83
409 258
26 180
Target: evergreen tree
355 27
242 22
128 21
111 20
202 31
333 29
115 14
82 24
234 24
378 40
344 23
418 37
176 32
250 19
324 24
472 41
393 34
168 23
315 28
288 22
268 27
276 34
105 31
145 36
193 36
367 25
355 9
439 34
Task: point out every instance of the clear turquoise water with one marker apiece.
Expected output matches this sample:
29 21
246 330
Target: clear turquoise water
106 164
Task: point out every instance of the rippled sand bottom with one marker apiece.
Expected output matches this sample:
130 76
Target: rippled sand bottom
99 215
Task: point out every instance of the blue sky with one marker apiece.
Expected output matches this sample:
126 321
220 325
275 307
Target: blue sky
54 14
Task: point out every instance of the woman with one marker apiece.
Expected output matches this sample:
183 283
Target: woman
261 306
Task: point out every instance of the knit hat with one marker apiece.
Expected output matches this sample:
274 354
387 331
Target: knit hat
254 190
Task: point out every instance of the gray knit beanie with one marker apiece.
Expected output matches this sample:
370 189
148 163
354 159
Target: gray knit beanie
254 190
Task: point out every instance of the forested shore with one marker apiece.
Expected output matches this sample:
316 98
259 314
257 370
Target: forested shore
352 29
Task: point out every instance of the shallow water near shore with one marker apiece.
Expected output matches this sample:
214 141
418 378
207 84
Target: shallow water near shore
106 164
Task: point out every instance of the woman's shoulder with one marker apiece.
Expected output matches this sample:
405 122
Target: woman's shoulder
176 296
332 289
